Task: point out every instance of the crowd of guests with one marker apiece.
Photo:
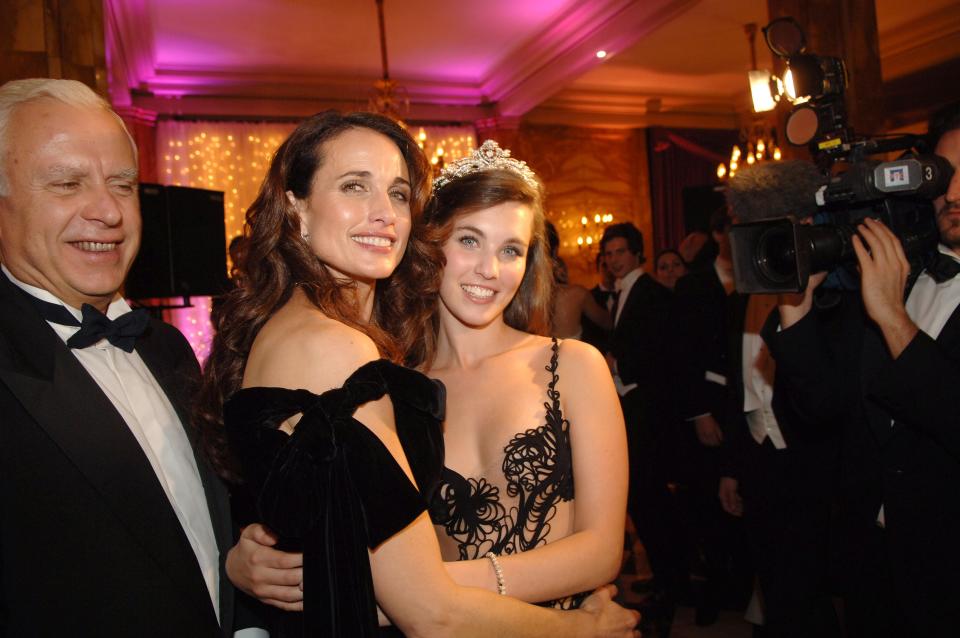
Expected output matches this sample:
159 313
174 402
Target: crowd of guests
822 420
400 429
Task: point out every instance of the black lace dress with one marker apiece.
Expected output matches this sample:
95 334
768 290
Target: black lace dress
538 472
332 489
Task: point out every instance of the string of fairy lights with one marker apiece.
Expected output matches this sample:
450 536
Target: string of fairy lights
444 144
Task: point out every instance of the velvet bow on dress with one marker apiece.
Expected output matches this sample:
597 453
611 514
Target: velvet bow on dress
332 489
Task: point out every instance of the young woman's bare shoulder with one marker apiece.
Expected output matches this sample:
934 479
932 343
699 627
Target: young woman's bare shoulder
579 355
315 353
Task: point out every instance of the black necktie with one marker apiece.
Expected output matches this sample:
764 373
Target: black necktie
121 332
942 267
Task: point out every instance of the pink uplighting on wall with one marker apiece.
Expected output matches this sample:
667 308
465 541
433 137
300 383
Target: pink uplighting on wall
195 325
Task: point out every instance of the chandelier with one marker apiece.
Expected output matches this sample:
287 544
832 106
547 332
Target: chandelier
389 98
758 141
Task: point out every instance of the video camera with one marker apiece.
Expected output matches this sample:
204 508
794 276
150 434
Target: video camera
779 255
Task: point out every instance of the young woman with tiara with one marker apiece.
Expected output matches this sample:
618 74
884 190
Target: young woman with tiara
532 499
335 446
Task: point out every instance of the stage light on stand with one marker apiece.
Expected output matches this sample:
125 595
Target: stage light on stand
757 138
762 84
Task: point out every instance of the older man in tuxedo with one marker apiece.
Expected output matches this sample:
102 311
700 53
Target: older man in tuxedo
110 524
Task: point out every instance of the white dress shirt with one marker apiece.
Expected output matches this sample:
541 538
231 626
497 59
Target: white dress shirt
135 393
930 304
758 372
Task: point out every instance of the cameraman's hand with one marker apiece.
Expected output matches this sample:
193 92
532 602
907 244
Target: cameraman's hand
883 277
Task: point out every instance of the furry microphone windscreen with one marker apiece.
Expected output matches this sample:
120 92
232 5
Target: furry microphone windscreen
774 189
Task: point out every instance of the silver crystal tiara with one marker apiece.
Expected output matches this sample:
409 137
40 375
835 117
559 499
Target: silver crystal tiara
488 157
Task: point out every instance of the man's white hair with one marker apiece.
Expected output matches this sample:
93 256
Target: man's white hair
70 92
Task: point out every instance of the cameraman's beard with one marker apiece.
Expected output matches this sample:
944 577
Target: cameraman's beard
948 223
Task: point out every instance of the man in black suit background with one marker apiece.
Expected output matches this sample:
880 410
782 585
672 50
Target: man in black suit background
705 323
745 444
639 358
110 523
886 371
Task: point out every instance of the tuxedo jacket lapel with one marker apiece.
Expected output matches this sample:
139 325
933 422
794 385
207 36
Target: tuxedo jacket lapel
70 407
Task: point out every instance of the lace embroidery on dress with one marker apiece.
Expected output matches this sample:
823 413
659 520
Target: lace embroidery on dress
538 468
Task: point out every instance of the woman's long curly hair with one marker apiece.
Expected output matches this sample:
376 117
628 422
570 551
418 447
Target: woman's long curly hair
279 259
530 309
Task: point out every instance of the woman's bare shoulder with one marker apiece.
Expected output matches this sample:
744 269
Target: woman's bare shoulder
306 349
577 355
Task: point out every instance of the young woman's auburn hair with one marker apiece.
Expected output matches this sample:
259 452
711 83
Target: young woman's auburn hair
278 260
530 309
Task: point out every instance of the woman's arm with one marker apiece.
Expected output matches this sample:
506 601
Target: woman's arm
412 586
592 554
595 312
415 592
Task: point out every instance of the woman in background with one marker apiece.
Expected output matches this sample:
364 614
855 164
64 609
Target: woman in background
533 495
571 302
669 266
336 447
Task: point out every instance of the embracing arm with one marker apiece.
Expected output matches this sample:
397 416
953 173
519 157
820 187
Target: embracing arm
591 555
417 594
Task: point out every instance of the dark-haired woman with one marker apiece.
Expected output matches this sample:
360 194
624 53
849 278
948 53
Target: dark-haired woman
336 446
669 266
533 495
571 303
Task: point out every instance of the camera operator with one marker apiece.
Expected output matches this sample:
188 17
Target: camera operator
887 373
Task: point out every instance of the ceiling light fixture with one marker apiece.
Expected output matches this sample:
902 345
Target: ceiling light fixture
759 142
389 98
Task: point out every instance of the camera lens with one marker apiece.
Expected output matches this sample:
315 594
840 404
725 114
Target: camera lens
776 255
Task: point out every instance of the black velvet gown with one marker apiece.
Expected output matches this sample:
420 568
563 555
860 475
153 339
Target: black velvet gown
332 489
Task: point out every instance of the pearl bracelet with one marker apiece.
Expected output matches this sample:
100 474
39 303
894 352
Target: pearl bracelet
501 588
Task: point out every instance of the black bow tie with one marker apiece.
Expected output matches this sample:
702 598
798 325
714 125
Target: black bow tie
121 332
942 267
